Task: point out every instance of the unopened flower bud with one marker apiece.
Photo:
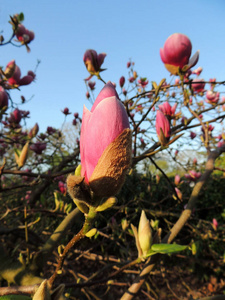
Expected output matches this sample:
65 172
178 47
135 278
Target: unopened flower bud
144 233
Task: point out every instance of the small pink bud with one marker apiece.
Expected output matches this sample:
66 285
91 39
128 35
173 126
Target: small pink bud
177 179
192 135
215 223
179 194
128 64
66 111
162 128
124 92
93 61
3 98
91 85
62 187
122 81
198 71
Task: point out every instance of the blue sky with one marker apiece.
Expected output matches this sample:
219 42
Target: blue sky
122 29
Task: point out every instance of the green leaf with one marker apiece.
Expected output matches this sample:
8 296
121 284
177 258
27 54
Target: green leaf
167 248
20 17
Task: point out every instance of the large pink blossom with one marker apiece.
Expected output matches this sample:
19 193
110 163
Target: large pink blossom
176 53
100 127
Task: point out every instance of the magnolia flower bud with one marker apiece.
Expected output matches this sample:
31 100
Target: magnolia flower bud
162 128
122 81
144 233
93 61
105 143
3 98
143 236
176 53
21 159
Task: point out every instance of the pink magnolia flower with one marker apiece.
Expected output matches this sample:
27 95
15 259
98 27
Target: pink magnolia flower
122 81
16 79
101 128
167 110
15 116
162 128
93 62
212 97
176 53
38 147
198 71
198 85
3 98
24 35
27 79
143 82
193 175
62 187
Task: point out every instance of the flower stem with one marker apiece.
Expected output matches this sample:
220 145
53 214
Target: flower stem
89 218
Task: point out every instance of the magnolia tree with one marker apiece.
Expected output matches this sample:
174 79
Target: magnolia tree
127 124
